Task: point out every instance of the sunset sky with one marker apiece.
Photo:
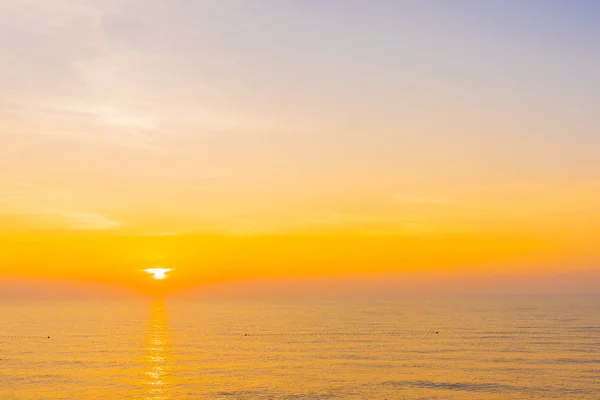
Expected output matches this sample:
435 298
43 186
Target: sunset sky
343 145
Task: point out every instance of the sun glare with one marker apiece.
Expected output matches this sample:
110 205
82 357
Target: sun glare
158 273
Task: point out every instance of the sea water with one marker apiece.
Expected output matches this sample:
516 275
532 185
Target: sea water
448 348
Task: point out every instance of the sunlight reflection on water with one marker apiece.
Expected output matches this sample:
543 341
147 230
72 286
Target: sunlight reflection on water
158 353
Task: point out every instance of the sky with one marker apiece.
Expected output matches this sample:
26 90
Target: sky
401 145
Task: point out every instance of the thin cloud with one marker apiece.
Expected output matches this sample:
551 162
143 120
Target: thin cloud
88 92
85 221
409 199
55 208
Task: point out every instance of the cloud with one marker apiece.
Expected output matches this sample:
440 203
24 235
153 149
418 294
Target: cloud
124 75
408 199
316 223
87 89
371 224
42 207
89 123
86 221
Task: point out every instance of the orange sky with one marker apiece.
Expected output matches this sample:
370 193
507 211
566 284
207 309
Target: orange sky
241 141
201 260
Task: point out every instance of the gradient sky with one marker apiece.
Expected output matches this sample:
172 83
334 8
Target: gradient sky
237 140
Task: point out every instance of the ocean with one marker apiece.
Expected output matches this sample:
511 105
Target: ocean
479 348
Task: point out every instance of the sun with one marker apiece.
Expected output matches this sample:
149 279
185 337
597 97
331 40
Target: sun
158 273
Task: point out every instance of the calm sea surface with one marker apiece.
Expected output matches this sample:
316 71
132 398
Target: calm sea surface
486 348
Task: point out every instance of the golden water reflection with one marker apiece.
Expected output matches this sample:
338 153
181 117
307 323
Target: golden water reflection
158 354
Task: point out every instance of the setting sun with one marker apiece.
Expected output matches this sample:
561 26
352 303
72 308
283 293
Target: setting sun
158 273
